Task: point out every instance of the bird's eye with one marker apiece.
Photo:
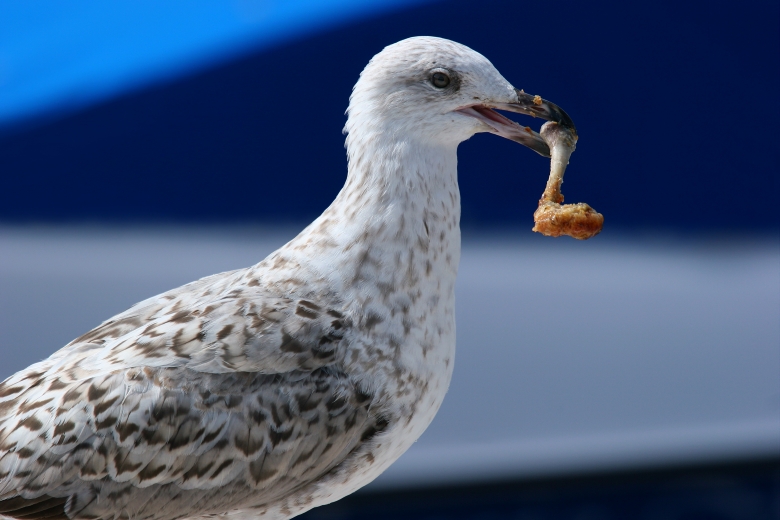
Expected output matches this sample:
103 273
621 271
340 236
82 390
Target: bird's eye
440 79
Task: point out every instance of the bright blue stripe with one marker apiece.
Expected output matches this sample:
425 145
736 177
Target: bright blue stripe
59 55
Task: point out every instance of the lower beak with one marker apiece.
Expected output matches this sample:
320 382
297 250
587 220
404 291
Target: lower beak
527 104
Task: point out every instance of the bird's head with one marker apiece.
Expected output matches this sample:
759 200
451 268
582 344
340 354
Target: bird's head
442 91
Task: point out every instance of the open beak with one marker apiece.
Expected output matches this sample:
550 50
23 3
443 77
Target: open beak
526 104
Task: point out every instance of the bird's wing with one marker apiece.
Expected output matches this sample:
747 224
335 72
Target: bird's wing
208 397
223 323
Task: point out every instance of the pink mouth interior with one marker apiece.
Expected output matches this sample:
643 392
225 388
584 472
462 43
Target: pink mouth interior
489 113
490 117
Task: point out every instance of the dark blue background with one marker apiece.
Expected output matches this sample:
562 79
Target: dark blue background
676 104
748 491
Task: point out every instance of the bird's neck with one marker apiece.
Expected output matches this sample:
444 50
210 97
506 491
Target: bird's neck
386 252
395 223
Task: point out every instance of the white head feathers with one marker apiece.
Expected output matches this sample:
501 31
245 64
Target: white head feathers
396 93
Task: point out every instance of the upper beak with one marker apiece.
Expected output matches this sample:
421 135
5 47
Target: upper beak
526 104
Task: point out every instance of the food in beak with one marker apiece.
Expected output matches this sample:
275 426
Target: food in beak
552 218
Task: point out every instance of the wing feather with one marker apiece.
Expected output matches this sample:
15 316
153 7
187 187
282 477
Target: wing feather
198 400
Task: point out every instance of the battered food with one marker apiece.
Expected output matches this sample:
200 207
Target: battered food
551 218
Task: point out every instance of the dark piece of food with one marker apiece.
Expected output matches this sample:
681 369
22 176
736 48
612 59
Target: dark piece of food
552 219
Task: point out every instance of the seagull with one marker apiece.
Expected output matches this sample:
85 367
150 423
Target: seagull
267 391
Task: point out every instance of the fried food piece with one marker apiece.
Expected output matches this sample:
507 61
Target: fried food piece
551 218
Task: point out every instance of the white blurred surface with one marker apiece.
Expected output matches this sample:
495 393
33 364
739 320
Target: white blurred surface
572 356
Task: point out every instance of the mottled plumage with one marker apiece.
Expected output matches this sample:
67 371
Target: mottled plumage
276 388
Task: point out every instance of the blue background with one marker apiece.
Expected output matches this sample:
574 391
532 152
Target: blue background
676 104
138 114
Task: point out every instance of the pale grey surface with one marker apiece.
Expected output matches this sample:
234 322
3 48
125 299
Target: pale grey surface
571 356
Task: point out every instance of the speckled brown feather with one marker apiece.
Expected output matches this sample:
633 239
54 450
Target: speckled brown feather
271 413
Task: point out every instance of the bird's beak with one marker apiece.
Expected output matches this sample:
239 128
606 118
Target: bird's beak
526 104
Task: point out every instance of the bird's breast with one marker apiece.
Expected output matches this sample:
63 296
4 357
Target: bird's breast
404 309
